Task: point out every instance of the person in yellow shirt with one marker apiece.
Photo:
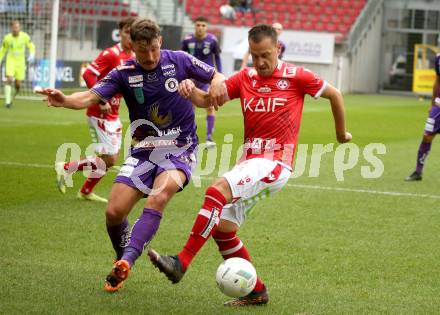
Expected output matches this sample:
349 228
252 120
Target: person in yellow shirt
14 44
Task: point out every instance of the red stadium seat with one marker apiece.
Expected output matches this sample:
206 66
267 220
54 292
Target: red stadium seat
215 19
319 27
336 16
326 19
343 28
307 26
339 11
330 28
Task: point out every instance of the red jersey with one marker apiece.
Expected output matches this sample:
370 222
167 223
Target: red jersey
100 67
272 108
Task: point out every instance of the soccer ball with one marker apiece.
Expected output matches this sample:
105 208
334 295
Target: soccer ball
227 12
37 88
236 277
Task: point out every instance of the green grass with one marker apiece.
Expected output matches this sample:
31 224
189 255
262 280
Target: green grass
319 250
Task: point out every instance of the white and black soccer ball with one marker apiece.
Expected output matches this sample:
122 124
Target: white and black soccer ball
227 12
37 88
236 277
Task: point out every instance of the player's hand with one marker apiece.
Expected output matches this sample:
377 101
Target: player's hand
186 87
346 137
217 94
54 98
31 59
105 109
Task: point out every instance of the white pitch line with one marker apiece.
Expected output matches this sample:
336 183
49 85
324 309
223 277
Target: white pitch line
27 122
26 164
313 187
365 191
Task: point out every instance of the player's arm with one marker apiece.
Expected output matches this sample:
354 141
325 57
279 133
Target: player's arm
217 59
198 97
338 110
78 100
435 89
218 63
90 78
31 47
3 49
217 90
185 46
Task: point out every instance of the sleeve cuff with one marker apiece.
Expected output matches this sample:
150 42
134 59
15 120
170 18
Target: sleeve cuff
321 90
93 70
103 100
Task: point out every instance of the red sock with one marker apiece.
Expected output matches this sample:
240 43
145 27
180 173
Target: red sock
92 162
205 224
89 184
229 245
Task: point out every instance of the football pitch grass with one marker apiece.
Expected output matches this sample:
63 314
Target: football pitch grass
322 246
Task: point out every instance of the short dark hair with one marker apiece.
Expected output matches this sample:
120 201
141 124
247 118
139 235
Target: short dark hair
201 19
144 29
128 21
260 31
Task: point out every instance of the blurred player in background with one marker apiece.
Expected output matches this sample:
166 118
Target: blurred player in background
432 126
104 123
204 46
163 133
281 47
14 44
272 97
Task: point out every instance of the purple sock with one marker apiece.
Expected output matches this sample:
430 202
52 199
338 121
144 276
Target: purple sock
210 119
119 236
421 156
141 234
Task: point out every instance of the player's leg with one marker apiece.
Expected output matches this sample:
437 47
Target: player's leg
165 186
107 137
65 169
422 154
210 122
432 127
20 75
230 245
122 199
216 196
93 163
250 180
86 191
17 87
135 175
8 85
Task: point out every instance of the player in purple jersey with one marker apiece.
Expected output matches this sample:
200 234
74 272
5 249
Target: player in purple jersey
204 46
432 126
163 134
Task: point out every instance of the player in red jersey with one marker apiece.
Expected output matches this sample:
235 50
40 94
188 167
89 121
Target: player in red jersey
272 97
104 123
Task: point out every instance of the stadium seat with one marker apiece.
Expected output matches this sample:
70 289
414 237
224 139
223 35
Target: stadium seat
319 27
215 19
330 27
322 16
